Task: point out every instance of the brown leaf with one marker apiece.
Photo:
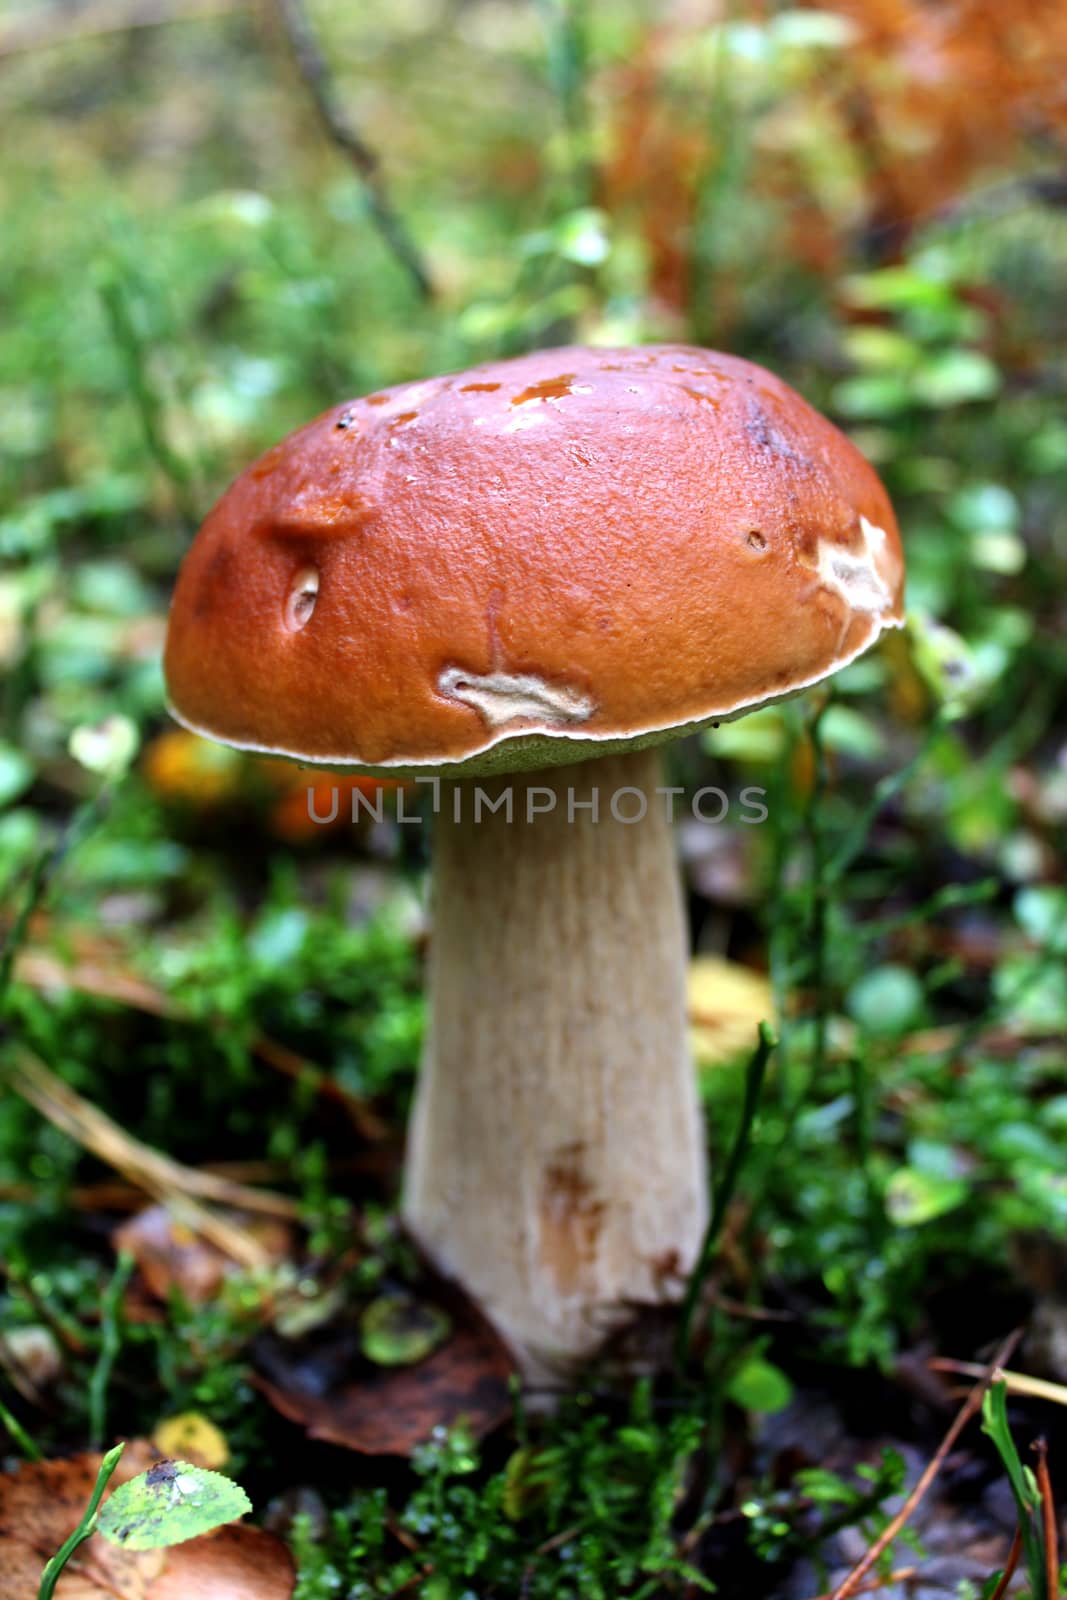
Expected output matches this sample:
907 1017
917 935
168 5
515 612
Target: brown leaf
40 1505
43 1502
168 1254
236 1563
389 1411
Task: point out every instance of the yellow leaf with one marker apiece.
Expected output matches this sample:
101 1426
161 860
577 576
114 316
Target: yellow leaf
191 1437
726 1004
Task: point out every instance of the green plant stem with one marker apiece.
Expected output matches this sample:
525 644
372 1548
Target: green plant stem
311 63
110 1344
19 1434
85 1529
755 1073
779 931
115 292
884 791
719 184
820 896
566 25
42 873
861 1099
1023 1487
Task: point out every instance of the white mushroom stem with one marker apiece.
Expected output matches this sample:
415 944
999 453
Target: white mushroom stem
556 1161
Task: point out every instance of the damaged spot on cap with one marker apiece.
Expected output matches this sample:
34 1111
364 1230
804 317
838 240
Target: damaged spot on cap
525 420
347 419
765 435
854 575
321 512
302 598
552 389
267 464
501 698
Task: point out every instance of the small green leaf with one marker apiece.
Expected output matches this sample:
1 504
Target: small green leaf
914 1197
812 30
985 508
758 737
886 1000
952 377
1002 553
872 395
171 1502
582 237
397 1331
1042 913
851 732
16 773
896 289
106 748
760 1386
880 349
946 663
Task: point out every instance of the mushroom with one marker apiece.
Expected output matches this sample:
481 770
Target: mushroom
515 583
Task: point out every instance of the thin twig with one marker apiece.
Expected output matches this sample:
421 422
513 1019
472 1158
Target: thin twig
872 1585
737 1308
39 969
61 26
1009 1566
971 1406
409 1583
180 1188
68 1333
114 1195
1015 1382
1048 1521
313 69
279 1056
91 1127
554 1543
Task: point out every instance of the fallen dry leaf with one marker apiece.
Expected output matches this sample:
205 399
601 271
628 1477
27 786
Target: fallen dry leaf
237 1563
390 1410
170 1255
191 1437
727 1002
42 1503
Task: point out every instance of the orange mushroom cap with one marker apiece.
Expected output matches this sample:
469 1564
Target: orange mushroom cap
530 563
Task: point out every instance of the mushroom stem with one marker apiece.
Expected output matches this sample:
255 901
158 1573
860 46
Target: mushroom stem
556 1163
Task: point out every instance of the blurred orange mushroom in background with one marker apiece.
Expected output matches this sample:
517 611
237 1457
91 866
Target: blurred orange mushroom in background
193 774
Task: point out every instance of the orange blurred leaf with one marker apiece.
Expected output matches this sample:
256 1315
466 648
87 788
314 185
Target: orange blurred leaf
42 1503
